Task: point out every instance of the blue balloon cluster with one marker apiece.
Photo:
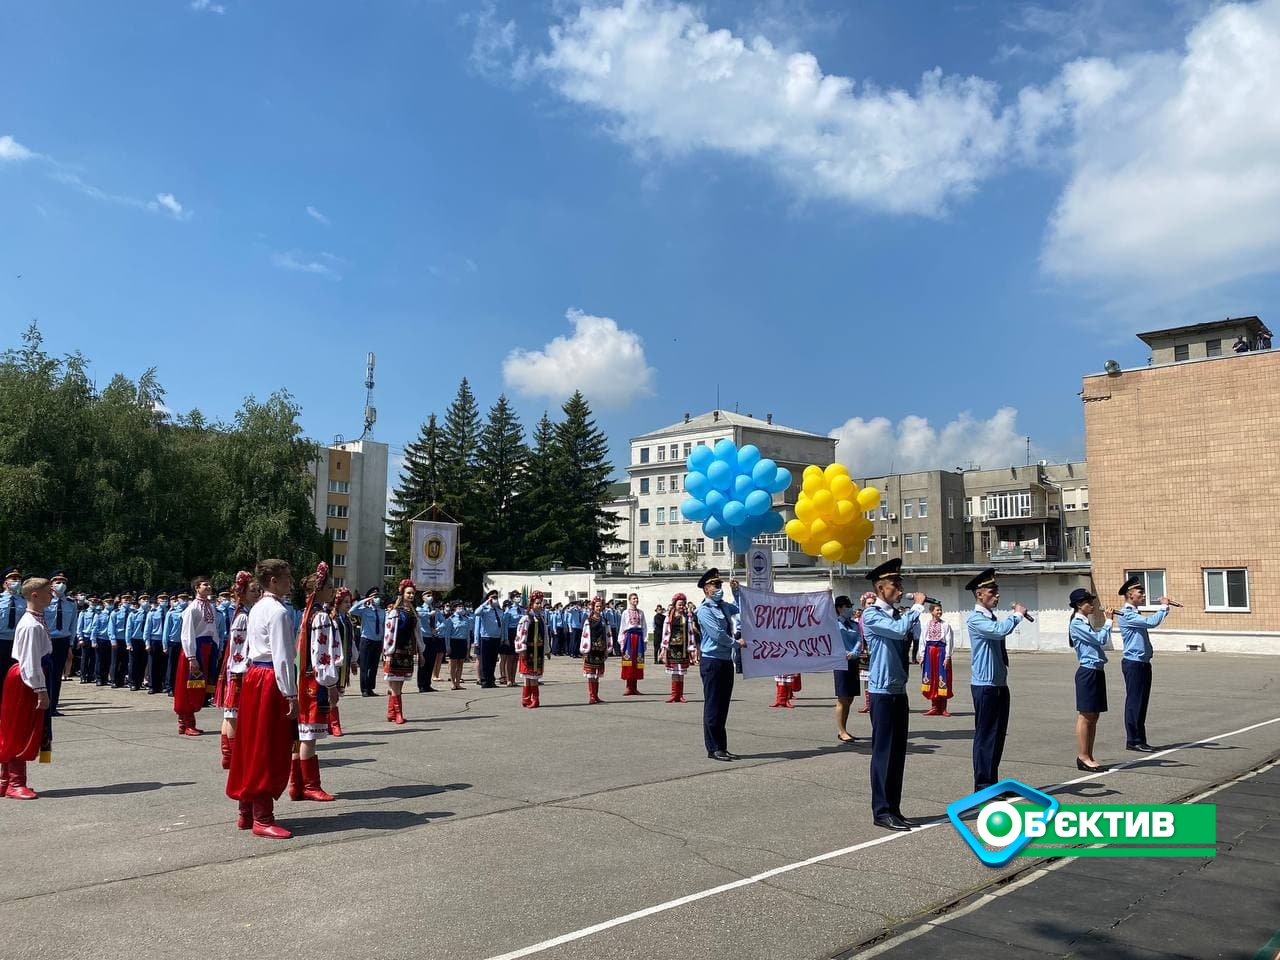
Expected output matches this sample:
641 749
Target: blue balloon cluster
731 492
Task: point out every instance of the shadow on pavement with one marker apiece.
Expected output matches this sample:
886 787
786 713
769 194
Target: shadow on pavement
111 789
403 791
363 820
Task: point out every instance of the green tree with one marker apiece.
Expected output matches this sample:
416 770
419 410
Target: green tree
459 469
583 527
420 486
539 499
502 460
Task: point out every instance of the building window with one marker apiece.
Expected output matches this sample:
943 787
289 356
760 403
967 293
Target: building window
922 507
951 508
1084 498
951 543
908 543
644 454
871 546
907 507
662 515
339 510
673 547
986 543
1152 582
388 570
884 511
688 449
1213 348
884 545
339 582
644 548
674 482
1226 590
1182 351
644 485
644 516
700 546
662 453
661 547
717 545
675 451
662 484
1069 499
339 486
1007 505
923 543
338 534
1087 542
339 559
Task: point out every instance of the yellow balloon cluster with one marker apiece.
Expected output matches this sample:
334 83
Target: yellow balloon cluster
829 521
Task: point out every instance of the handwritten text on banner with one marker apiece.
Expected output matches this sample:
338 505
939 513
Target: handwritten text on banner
789 633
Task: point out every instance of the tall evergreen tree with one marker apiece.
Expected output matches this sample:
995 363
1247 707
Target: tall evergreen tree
420 486
540 499
459 448
502 460
581 462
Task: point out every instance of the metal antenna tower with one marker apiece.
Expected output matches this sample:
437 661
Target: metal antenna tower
370 411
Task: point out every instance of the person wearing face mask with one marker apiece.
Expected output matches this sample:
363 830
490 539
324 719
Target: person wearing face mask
118 626
12 607
846 681
988 680
715 663
136 636
195 661
173 639
371 619
488 635
153 629
84 639
102 640
60 617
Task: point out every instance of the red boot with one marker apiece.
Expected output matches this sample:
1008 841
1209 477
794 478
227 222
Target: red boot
535 696
796 685
187 725
264 821
18 789
866 702
941 704
295 779
244 816
391 707
400 709
790 695
226 752
593 692
780 695
311 782
526 699
675 691
4 778
680 690
335 721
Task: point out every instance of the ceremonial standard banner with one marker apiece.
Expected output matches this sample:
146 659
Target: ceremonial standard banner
435 554
789 633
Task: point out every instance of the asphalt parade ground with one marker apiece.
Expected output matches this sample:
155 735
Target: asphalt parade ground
481 830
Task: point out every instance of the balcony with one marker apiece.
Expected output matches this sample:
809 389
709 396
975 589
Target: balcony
1027 550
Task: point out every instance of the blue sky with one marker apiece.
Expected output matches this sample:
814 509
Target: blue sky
916 224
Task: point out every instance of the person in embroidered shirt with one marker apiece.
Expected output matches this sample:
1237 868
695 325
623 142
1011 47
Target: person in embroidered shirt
935 673
26 694
887 633
195 664
402 645
633 630
319 661
594 648
988 677
531 650
679 647
1091 684
265 728
245 592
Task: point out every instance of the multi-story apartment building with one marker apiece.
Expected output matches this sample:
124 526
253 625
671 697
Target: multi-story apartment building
1037 513
660 537
1183 470
350 502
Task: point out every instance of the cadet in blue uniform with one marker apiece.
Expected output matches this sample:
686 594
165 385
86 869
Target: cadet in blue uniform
988 680
1136 664
84 638
371 618
846 680
488 634
102 640
60 617
157 656
511 616
887 633
1090 646
715 665
575 618
12 607
432 622
173 639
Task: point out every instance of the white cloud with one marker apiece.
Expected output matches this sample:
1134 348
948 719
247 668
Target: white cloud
494 52
316 215
322 264
877 447
167 201
602 360
207 6
1175 160
11 149
667 80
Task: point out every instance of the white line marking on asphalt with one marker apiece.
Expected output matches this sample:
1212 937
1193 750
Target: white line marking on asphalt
845 851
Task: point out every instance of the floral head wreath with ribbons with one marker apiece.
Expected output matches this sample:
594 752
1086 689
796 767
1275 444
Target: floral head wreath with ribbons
678 596
342 594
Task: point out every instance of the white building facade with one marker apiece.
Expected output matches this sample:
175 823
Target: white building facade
350 503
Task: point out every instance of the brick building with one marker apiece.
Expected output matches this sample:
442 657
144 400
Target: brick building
1184 474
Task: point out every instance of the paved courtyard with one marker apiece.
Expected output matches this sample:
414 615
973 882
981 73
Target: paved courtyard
481 830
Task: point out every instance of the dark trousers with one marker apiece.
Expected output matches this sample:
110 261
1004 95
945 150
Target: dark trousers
990 724
102 653
137 661
890 716
87 667
370 654
120 663
427 665
172 651
717 691
1137 694
159 657
61 647
488 661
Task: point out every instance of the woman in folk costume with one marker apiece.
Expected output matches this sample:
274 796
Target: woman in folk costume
268 711
195 663
26 696
679 645
245 593
346 631
935 670
596 640
319 660
633 629
868 599
532 638
401 646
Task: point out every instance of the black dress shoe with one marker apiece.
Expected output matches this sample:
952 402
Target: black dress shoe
718 755
1081 765
892 823
1140 748
731 756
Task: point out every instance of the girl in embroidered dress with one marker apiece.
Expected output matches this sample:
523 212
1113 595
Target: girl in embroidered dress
633 629
679 645
531 649
346 640
319 659
245 593
935 673
595 643
402 644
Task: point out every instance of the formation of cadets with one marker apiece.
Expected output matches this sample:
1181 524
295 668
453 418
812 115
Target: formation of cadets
278 672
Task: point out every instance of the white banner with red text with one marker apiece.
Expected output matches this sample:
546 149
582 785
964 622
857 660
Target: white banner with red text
789 633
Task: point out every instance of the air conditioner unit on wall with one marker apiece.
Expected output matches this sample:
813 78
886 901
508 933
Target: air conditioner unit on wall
893 516
893 539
